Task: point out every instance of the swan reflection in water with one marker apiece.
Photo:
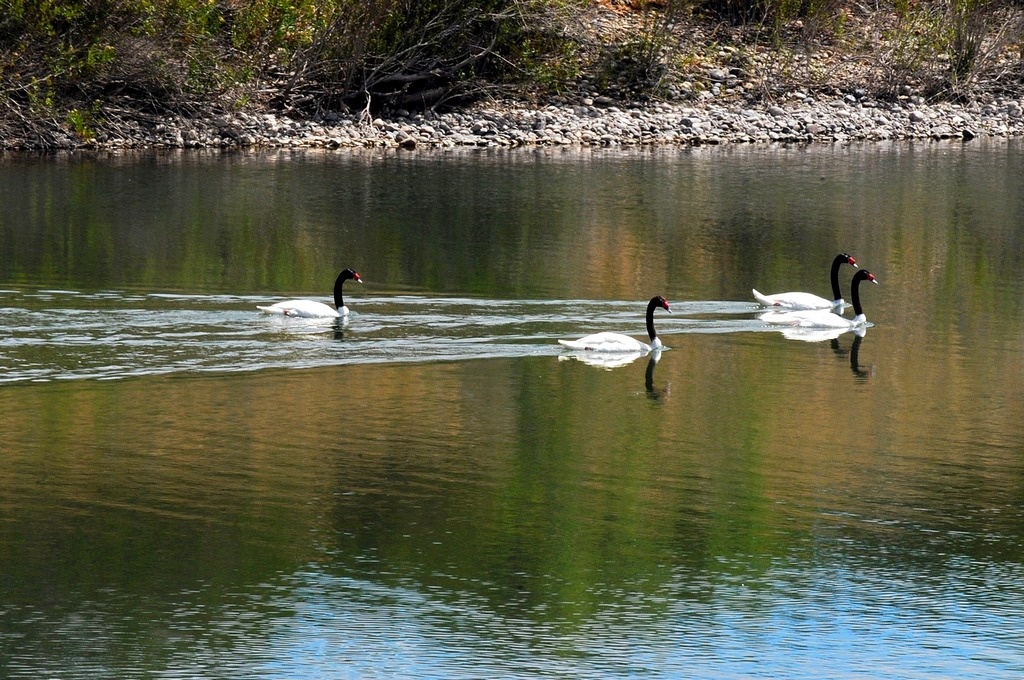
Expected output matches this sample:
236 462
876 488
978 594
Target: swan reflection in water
607 360
653 393
610 360
819 334
860 374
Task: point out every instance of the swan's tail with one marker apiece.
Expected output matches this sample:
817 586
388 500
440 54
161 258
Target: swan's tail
573 344
273 310
764 299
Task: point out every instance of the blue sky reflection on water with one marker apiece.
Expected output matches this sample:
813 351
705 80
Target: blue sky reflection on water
834 623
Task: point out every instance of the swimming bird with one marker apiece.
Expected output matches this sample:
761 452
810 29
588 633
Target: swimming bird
311 309
797 300
824 318
609 342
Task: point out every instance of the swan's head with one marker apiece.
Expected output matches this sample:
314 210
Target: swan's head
660 301
849 259
865 275
351 274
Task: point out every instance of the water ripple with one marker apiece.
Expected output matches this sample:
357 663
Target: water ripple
61 335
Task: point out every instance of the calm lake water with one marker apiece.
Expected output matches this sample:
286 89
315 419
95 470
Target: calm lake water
434 488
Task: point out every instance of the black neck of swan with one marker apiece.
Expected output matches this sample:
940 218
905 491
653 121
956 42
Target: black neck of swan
862 275
655 302
839 261
339 300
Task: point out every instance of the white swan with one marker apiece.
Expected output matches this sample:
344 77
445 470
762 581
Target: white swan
311 309
809 300
607 342
824 318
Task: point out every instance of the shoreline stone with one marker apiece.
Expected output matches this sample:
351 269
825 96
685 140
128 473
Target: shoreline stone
584 123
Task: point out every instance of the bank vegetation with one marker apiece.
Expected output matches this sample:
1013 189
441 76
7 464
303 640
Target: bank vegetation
73 67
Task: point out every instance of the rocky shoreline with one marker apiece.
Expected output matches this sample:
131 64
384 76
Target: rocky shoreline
589 122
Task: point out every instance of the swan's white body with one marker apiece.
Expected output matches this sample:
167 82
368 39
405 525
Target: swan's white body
311 309
809 301
609 343
796 301
307 309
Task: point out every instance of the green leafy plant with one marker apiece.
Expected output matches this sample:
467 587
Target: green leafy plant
81 123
